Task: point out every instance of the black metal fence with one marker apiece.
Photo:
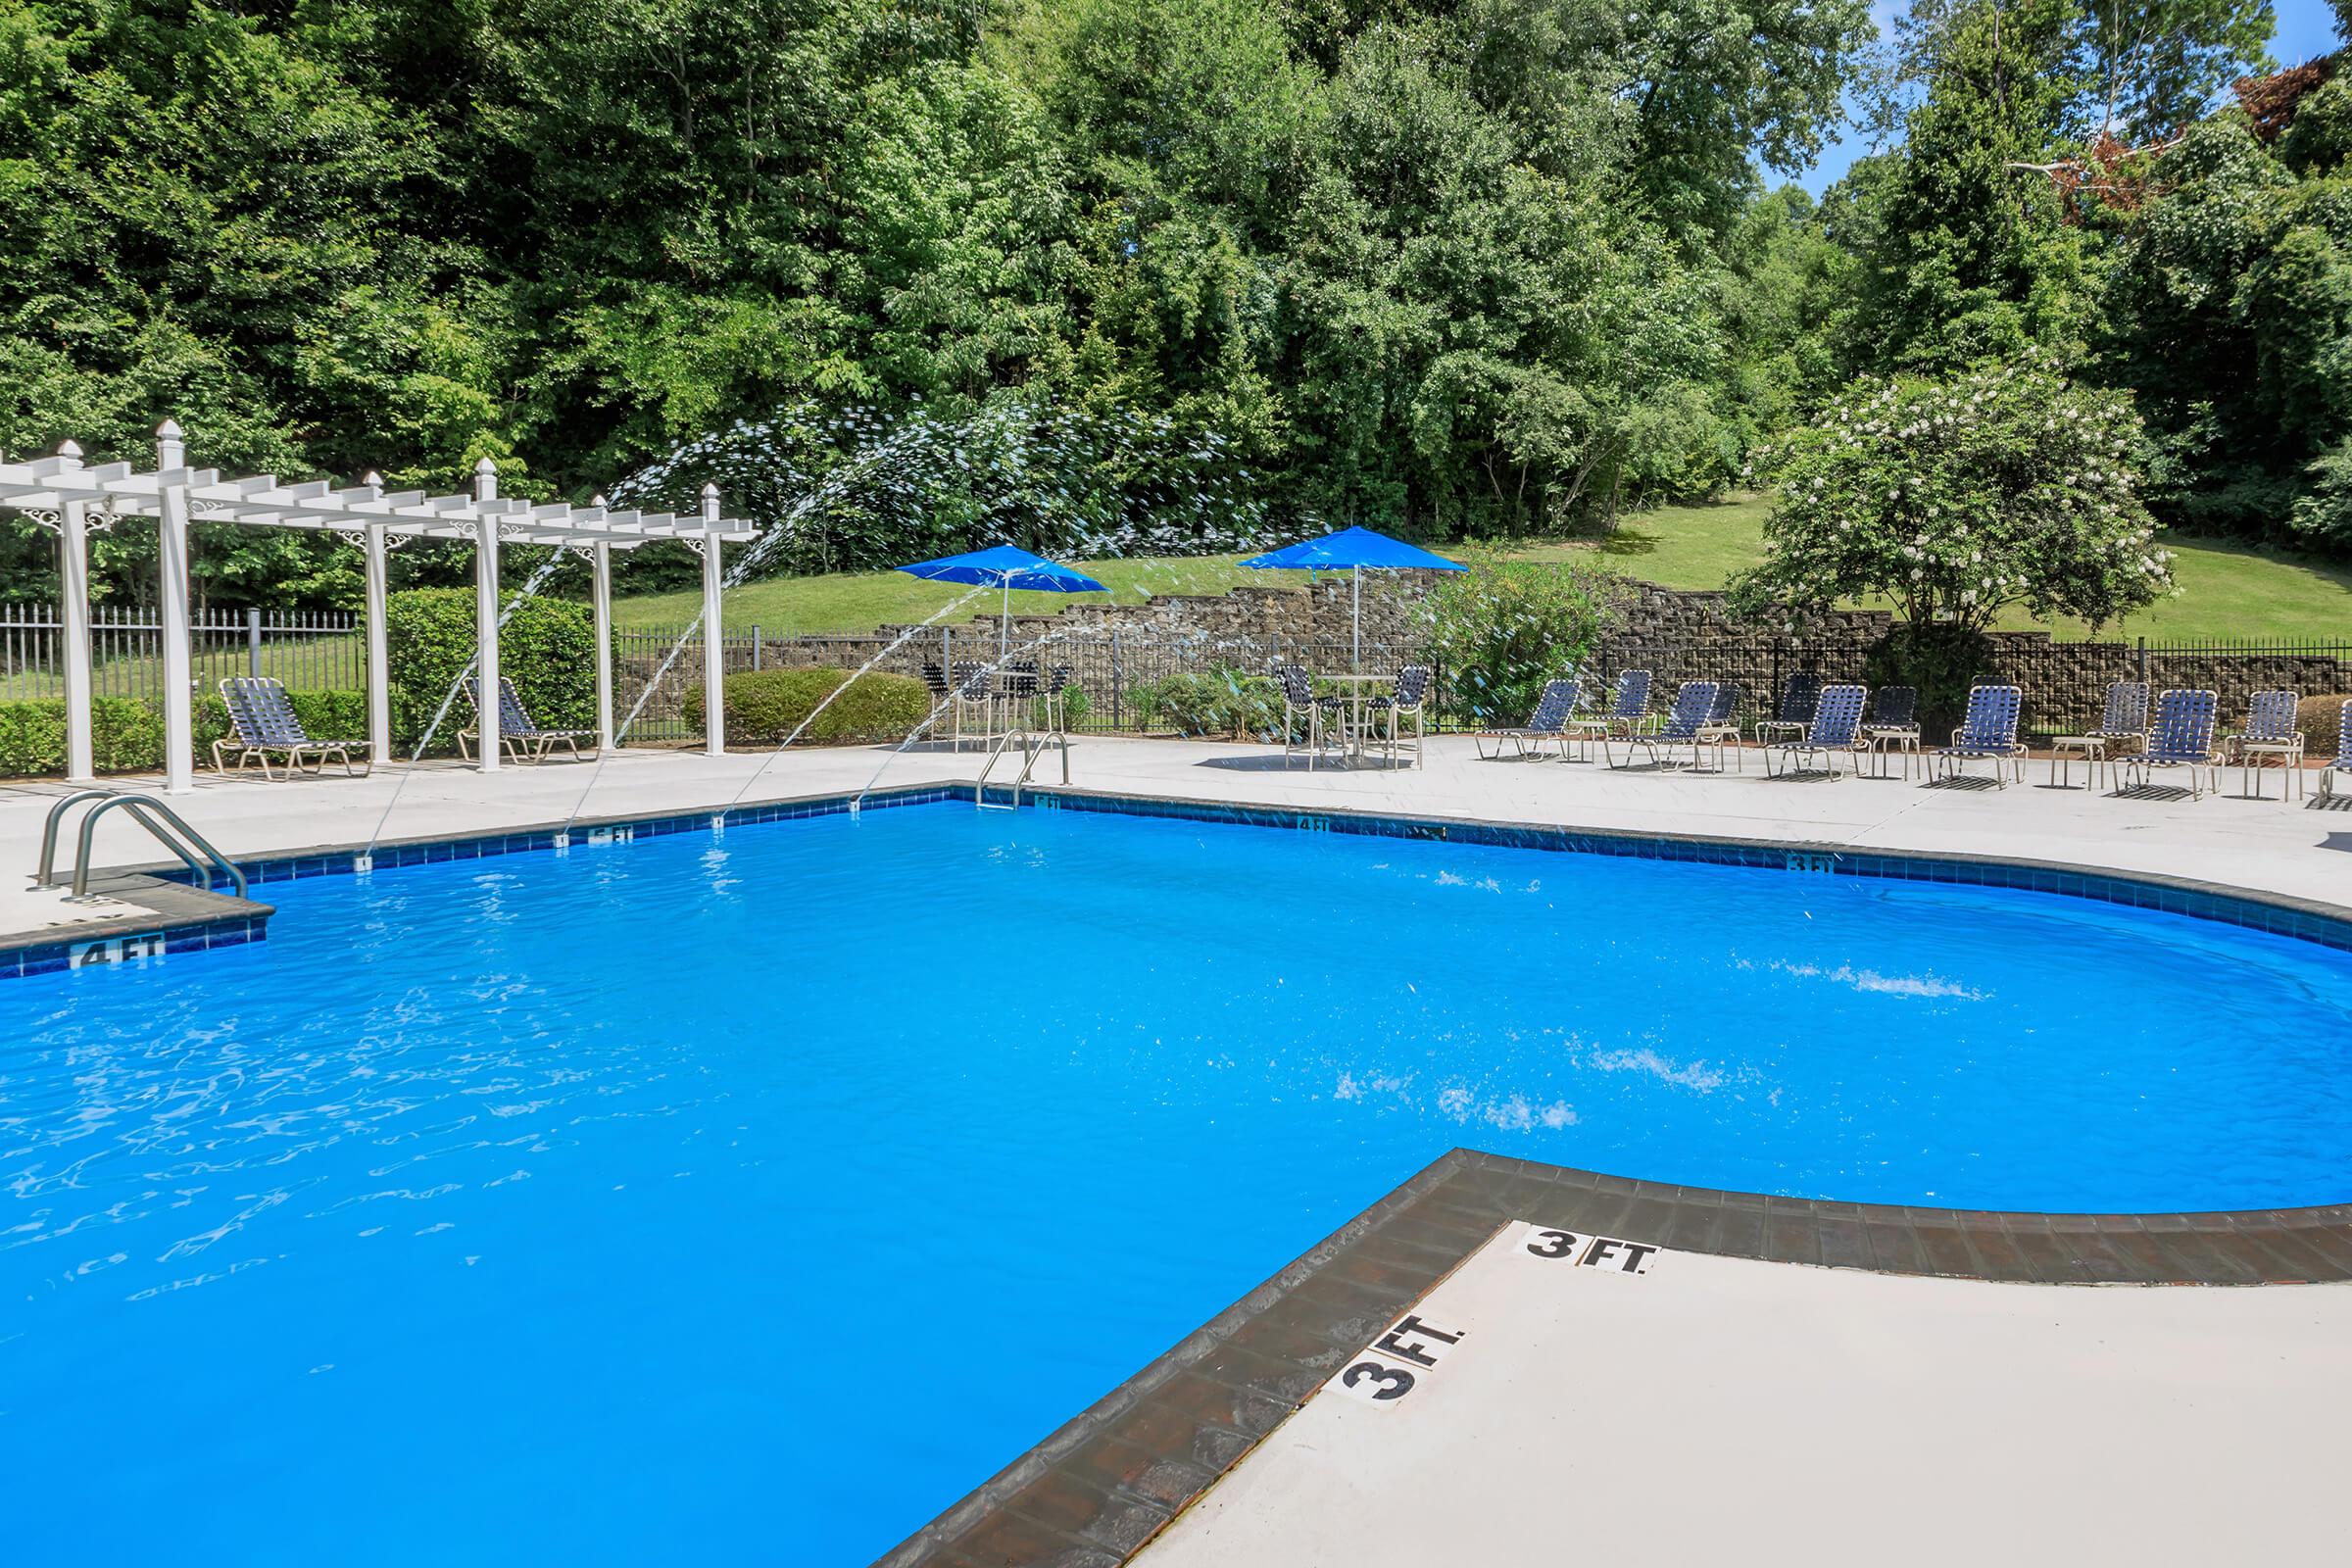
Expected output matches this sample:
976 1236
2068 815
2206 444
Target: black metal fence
308 650
2064 683
1125 684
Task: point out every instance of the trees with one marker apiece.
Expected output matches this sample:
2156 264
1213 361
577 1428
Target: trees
1957 498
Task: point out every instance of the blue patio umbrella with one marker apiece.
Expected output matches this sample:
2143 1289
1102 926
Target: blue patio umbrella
1357 550
1005 568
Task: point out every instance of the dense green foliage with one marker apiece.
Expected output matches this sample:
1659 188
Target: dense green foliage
769 707
1504 628
1217 703
1454 266
1152 275
546 648
125 736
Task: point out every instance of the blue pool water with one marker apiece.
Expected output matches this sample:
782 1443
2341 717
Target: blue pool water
751 1198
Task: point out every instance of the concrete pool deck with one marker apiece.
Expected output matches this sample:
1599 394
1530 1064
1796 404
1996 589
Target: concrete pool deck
1782 1335
2263 846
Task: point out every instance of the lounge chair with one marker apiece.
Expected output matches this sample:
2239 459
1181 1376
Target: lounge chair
2269 738
262 723
1627 713
519 734
1326 717
2122 730
1554 712
1693 706
1800 699
2344 755
2181 737
1892 726
1722 727
1835 730
1987 733
1407 699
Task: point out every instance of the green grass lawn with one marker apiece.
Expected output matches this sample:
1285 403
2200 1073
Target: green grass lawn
2227 589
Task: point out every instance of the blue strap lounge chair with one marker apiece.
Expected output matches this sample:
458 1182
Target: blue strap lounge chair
1892 726
2270 739
1987 733
2342 764
519 734
1554 711
1800 699
2182 736
262 723
1835 729
1694 707
1628 713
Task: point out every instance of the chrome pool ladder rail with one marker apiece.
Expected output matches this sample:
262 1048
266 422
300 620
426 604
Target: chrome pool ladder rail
168 827
1033 745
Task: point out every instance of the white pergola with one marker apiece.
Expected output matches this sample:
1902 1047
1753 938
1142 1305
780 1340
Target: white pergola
74 499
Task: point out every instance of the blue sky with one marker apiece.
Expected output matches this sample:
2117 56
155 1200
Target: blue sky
2305 28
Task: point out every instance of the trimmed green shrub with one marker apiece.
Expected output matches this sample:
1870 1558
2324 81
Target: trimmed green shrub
1221 701
1503 629
126 735
33 738
547 648
765 706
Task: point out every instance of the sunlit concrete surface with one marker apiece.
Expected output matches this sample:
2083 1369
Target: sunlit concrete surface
2262 844
1545 1404
24 907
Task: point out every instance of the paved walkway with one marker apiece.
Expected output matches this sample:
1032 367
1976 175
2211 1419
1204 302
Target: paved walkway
1565 1398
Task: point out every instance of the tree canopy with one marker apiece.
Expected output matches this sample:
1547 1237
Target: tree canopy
1452 268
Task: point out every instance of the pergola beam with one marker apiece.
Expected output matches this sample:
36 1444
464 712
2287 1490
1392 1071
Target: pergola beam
83 498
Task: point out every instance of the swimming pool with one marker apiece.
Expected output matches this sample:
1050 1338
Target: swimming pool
756 1196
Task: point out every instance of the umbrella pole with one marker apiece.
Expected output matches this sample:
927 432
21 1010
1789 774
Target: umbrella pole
1004 627
1355 663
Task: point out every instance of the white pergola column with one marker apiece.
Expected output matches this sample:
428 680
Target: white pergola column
485 617
715 651
172 583
74 603
380 635
599 563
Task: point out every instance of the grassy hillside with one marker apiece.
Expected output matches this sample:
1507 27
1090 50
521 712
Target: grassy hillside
2227 589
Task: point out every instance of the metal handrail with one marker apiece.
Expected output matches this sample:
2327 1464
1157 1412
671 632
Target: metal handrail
42 878
145 809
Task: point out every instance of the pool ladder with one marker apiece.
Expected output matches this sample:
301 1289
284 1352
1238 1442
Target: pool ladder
167 826
1033 745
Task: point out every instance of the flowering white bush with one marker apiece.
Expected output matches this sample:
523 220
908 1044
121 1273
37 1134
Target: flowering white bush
2009 484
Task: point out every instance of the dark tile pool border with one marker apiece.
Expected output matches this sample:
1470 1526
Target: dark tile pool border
2329 925
167 916
1096 1490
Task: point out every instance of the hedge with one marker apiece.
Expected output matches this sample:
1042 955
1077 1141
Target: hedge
547 648
765 706
127 735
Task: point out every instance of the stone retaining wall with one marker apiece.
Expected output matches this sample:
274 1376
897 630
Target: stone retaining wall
1676 634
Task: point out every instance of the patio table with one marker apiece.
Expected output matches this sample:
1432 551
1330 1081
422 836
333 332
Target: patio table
1357 694
2064 749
